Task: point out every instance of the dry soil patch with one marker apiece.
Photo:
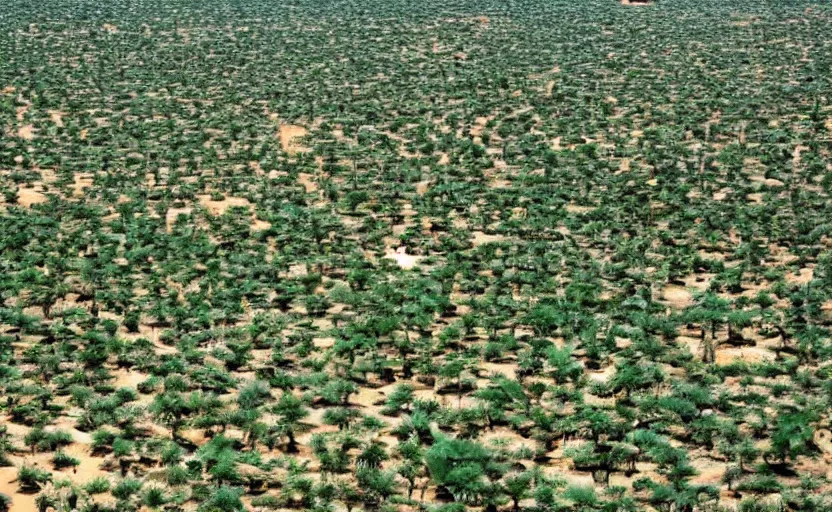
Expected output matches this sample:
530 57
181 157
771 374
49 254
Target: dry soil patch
289 135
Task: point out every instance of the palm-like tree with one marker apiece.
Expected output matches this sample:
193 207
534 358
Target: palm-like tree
289 410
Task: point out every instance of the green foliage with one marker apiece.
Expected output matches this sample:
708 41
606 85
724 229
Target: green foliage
154 497
61 460
793 432
223 499
565 367
127 488
581 496
31 479
98 485
506 233
460 466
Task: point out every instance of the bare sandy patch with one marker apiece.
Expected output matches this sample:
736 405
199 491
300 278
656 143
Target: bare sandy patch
575 208
726 356
20 112
367 397
720 196
27 197
173 214
602 375
48 176
756 198
711 255
422 187
698 282
308 182
624 165
823 440
804 276
479 238
709 471
195 436
499 183
9 487
694 345
677 296
81 182
89 468
289 135
297 270
324 342
402 259
509 370
769 182
478 127
222 206
556 144
260 225
743 21
26 132
128 379
57 118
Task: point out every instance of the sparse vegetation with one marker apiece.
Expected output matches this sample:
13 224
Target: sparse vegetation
415 256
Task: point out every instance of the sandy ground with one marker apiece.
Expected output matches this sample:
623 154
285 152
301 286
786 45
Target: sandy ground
26 132
28 197
402 258
289 135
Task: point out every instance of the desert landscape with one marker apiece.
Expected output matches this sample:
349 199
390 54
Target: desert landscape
394 256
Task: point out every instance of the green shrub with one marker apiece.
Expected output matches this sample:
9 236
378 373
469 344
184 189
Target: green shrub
126 488
754 505
31 479
761 484
99 485
459 465
224 499
154 497
61 460
581 496
176 475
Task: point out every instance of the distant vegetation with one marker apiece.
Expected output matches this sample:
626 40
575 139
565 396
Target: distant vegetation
416 256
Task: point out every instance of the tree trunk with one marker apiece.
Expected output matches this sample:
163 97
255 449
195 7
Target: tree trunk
708 355
292 446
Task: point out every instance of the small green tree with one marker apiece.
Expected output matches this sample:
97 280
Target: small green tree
289 411
518 487
793 432
224 469
223 499
710 311
460 466
31 479
565 368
